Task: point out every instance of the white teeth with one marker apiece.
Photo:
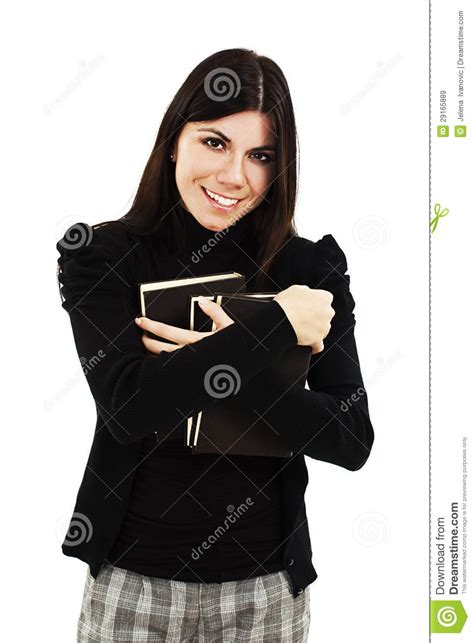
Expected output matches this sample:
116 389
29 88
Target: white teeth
220 199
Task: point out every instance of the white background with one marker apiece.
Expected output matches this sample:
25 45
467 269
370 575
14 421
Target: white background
86 87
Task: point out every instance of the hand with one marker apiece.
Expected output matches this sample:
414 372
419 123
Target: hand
310 312
181 336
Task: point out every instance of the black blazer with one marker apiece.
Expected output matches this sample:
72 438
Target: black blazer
329 421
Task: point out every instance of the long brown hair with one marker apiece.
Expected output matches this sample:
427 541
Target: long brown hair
251 82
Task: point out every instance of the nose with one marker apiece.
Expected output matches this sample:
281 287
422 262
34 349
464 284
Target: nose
231 172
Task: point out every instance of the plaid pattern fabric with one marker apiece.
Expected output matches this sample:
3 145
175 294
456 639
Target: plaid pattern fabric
120 605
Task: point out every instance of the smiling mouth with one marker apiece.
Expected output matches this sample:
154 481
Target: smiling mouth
219 199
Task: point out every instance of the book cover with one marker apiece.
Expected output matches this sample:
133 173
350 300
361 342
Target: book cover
229 426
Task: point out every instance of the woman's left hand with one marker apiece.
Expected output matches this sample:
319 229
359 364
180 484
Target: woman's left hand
181 336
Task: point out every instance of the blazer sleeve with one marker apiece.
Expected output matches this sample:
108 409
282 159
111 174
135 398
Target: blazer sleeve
137 392
330 421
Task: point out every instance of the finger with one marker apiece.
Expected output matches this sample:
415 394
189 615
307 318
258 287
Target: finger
216 313
173 333
317 348
155 346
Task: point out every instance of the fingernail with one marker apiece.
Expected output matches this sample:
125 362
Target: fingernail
138 320
202 300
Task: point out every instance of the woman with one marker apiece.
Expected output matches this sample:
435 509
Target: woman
217 195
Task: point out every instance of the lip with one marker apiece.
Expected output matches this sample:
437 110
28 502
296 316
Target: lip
218 206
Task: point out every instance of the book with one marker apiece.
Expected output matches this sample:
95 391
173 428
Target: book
229 426
168 301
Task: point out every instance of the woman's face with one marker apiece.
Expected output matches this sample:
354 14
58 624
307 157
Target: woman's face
232 157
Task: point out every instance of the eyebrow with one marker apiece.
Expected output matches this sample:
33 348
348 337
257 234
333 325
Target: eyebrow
261 148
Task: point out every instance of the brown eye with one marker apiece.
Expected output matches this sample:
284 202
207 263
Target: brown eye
205 142
267 157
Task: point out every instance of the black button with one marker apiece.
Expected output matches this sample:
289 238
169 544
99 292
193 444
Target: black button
300 590
291 561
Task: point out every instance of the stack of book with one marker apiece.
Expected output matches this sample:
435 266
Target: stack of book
228 425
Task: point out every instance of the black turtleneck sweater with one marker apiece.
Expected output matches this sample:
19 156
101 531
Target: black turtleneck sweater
153 507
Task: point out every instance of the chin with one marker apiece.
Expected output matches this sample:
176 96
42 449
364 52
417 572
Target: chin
207 224
216 222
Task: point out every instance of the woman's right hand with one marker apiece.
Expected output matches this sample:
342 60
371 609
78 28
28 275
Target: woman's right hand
310 312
